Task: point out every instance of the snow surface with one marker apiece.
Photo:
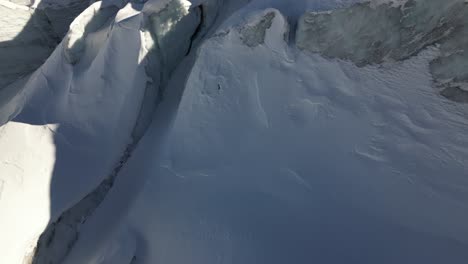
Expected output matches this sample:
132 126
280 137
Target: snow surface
278 156
30 34
19 33
259 151
68 127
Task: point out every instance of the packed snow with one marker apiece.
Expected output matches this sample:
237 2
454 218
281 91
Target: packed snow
263 131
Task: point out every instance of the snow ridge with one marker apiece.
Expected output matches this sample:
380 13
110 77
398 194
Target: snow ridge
60 236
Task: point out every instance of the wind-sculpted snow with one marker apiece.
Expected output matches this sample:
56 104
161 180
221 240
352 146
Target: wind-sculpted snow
370 33
97 34
176 131
275 155
68 128
90 21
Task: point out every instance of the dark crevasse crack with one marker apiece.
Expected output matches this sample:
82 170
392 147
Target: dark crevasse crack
197 31
62 234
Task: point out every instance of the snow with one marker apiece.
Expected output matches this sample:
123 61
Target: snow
89 53
402 31
278 156
392 3
29 35
171 39
18 35
258 143
13 5
90 21
68 130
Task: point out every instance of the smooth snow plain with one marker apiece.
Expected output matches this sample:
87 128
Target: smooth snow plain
258 153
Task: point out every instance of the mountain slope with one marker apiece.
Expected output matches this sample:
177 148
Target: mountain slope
225 131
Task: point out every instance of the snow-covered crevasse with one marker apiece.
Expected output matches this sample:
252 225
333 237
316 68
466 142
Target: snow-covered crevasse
374 32
277 156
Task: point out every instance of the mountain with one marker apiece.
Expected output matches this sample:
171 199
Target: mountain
219 131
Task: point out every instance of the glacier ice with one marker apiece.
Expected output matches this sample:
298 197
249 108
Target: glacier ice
369 33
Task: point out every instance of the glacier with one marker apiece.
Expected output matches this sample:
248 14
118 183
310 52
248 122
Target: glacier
404 28
219 131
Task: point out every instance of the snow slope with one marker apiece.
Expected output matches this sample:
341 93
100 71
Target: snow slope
261 149
80 115
19 33
276 155
69 126
30 33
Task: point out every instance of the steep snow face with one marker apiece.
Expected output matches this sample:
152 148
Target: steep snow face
276 155
30 34
68 127
61 13
101 86
372 33
171 28
23 46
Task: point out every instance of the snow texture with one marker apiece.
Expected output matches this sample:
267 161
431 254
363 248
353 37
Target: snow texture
206 131
60 236
278 156
68 128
